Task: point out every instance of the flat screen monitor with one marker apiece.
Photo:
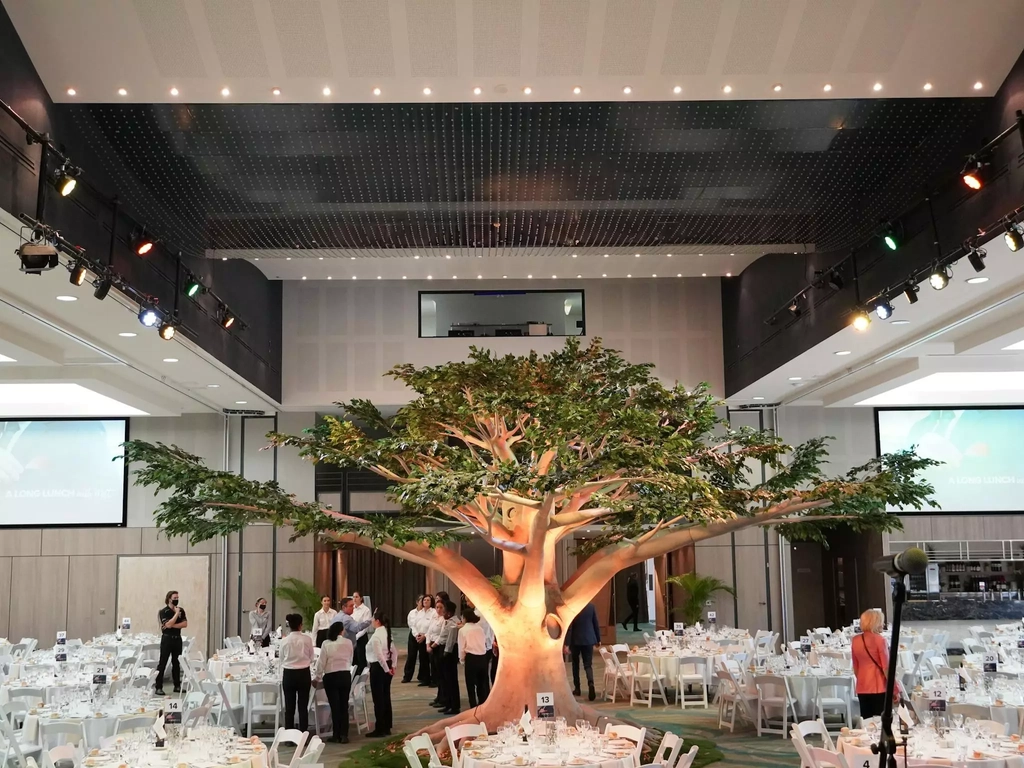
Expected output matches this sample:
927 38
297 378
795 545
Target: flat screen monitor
62 472
981 450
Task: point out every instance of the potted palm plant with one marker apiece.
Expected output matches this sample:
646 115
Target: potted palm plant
303 596
699 589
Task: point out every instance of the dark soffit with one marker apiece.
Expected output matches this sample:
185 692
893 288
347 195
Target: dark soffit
821 172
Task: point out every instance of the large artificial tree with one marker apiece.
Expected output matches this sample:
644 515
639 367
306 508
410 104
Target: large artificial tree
524 452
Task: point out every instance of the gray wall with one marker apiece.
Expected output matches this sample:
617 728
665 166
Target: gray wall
65 578
450 308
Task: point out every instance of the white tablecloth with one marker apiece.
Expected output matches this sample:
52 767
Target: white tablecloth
96 728
856 757
543 762
668 665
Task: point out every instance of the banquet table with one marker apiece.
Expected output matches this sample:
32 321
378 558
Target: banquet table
205 747
667 663
97 725
571 750
804 687
925 746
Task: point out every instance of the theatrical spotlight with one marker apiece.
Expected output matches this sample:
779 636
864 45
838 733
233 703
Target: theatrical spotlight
37 257
142 244
167 330
973 174
78 272
910 291
883 309
891 237
64 180
103 285
227 320
1012 237
148 317
835 281
193 287
939 279
861 320
794 309
976 256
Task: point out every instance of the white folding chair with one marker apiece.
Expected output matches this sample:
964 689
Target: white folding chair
687 760
992 726
65 753
262 700
972 711
455 736
357 703
201 715
611 672
422 743
311 755
835 694
646 675
823 758
732 700
33 697
224 709
630 732
14 746
815 728
283 736
773 694
134 723
318 705
667 752
61 734
692 670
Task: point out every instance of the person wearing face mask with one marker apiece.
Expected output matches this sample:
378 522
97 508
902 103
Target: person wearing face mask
259 623
172 620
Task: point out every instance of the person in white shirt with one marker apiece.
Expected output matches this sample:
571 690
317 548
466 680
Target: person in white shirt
474 658
436 652
361 613
426 617
322 620
334 668
296 659
412 648
383 658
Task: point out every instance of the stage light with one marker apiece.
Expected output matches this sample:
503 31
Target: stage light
65 181
835 281
167 330
102 288
890 238
37 257
1012 237
794 309
78 272
227 320
883 309
910 291
861 320
194 288
142 244
939 279
148 317
973 174
976 256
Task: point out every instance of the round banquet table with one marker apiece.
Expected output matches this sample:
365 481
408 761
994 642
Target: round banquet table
546 761
858 756
96 728
668 665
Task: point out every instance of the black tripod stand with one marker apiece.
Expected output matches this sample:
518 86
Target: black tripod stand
886 747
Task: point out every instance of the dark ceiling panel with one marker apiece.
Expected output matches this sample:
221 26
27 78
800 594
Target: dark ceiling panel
522 175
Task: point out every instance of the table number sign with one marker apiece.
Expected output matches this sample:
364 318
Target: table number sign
126 624
545 706
172 712
856 626
805 644
61 653
990 662
712 617
678 628
62 637
1020 642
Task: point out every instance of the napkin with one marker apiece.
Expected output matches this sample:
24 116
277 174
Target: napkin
905 716
526 723
158 729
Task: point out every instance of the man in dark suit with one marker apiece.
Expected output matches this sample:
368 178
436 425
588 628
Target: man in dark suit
584 633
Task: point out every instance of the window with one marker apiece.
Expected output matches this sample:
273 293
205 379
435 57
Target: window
483 314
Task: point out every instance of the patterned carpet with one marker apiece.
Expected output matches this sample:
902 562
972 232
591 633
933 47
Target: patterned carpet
742 750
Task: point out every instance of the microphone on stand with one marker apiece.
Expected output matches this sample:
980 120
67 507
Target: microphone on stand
909 562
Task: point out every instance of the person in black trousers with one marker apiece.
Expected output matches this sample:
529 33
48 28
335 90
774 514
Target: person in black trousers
584 633
429 613
449 642
296 679
633 598
334 667
172 620
382 656
412 647
475 658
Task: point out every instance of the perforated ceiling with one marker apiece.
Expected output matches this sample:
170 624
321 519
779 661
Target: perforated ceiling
522 176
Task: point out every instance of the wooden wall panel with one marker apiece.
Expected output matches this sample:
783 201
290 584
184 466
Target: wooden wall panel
20 542
91 541
39 598
156 542
5 589
92 581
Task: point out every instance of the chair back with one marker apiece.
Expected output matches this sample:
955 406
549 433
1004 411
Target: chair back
692 665
770 686
992 726
459 733
286 736
65 752
824 758
34 697
422 743
134 723
668 751
312 753
686 760
631 732
815 728
972 711
60 734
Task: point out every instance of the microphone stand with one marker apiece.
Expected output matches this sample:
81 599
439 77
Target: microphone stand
886 747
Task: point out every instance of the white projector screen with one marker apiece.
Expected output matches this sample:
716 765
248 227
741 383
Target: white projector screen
980 450
62 472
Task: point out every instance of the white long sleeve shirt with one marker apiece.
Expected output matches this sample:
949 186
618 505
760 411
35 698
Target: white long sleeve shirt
434 629
378 650
471 640
297 651
335 656
362 613
322 620
426 618
413 620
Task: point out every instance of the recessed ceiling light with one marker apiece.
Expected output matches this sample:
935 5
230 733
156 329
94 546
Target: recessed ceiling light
415 257
529 276
213 386
326 91
976 280
403 277
827 87
978 86
174 91
637 255
223 258
680 274
677 89
275 91
574 255
287 258
376 91
241 402
927 86
628 275
527 90
430 277
777 87
354 277
899 322
67 298
578 276
127 335
447 255
426 91
577 90
170 359
627 90
654 275
353 258
758 397
732 254
604 275
321 258
504 277
477 91
727 89
329 277
669 255
225 91
606 255
378 277
728 274
842 353
554 277
72 92
303 277
876 87
479 277
122 92
796 378
700 254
